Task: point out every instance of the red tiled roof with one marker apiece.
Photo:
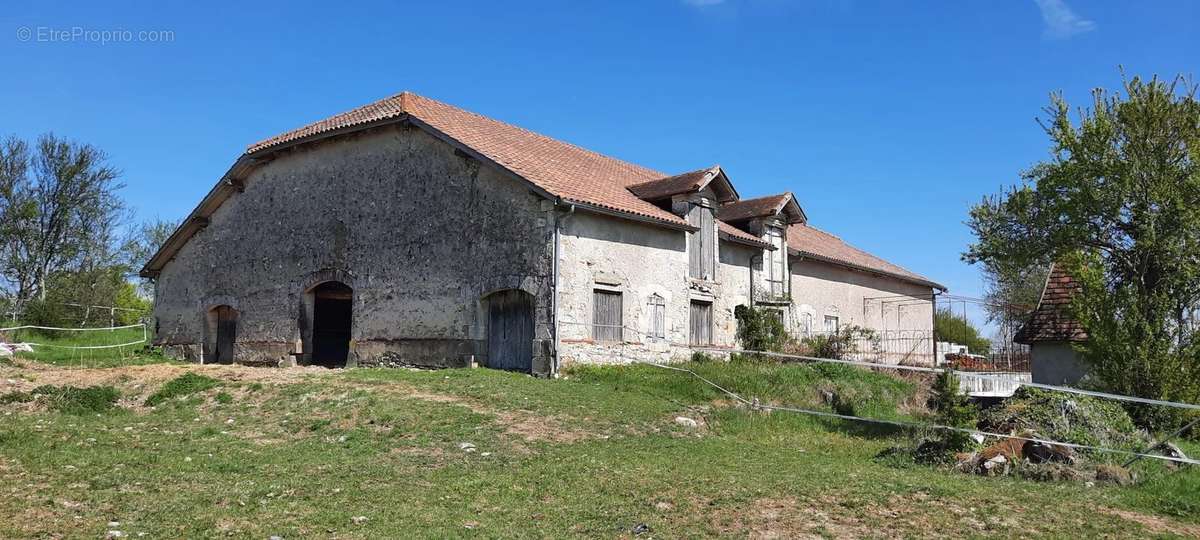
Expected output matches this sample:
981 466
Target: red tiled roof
673 185
814 243
561 169
1051 321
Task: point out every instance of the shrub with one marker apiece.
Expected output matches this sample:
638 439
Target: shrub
760 329
838 345
188 383
953 409
1067 418
73 400
16 397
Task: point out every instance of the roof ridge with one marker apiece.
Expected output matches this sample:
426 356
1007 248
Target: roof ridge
535 134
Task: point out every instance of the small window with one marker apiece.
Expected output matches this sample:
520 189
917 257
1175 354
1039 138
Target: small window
701 323
831 324
606 315
657 310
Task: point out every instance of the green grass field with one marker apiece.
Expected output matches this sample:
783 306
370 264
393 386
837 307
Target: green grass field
61 347
370 453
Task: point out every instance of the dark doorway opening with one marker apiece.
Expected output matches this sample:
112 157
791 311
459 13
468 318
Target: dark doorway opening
222 324
510 331
332 315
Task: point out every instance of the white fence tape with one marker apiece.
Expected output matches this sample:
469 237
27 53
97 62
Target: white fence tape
144 339
89 329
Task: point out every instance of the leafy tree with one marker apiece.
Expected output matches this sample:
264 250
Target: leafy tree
1119 203
957 329
60 209
839 345
1012 293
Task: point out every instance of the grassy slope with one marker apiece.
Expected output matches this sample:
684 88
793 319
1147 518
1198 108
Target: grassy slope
52 352
593 455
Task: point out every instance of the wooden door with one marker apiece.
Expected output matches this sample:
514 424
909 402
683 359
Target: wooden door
701 323
510 331
226 334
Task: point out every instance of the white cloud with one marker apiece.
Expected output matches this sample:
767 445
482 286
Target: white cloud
702 3
1061 22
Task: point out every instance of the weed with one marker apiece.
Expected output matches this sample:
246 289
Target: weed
73 400
186 384
224 398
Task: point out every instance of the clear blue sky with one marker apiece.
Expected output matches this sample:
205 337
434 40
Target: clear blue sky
887 119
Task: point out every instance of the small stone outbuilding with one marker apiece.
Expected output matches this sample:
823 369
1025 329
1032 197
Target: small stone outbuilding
1052 332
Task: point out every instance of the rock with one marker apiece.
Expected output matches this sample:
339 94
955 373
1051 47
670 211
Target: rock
966 461
466 447
663 506
997 465
114 524
114 534
640 528
22 347
1113 474
686 422
275 538
1172 451
358 520
5 350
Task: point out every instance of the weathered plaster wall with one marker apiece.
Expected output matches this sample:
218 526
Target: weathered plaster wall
825 289
639 260
1055 362
419 232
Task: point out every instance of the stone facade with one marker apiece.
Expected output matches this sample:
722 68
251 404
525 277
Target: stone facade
413 233
421 234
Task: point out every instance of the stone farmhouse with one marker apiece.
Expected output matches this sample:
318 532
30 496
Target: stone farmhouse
411 232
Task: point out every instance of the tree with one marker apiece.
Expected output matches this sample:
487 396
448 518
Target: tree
1118 202
952 409
957 329
143 242
60 210
1012 293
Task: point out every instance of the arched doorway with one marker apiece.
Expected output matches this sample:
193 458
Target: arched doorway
510 331
221 326
333 303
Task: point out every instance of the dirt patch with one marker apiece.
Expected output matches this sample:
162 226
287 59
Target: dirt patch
1155 524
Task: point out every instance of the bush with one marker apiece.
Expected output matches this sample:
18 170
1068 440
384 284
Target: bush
839 345
760 329
1066 417
73 400
188 383
701 357
953 409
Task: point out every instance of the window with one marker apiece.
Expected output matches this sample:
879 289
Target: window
831 324
775 267
702 243
656 308
806 323
701 323
606 315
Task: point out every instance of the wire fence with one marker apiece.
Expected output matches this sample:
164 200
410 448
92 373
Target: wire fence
632 350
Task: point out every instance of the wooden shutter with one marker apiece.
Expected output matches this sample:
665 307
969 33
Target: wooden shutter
658 317
606 316
695 255
708 244
701 323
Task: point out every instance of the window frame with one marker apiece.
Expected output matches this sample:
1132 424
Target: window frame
608 332
656 327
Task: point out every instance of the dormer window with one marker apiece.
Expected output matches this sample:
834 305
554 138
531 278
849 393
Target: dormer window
702 253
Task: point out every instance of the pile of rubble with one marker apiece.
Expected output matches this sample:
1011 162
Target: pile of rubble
9 349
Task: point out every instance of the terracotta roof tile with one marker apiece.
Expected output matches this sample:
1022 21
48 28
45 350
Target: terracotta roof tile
673 185
812 242
752 208
1051 321
562 169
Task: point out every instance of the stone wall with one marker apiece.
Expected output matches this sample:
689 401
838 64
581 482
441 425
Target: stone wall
421 233
639 261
